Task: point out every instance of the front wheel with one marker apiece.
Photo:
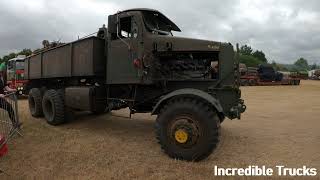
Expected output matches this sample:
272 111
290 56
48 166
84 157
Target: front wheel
188 129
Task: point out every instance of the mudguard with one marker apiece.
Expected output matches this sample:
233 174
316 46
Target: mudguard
188 92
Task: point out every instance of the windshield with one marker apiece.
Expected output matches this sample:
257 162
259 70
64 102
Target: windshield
19 65
157 23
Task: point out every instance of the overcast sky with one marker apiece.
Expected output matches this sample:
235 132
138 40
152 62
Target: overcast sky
285 30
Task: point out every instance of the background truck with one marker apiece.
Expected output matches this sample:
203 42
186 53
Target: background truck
137 63
266 75
316 74
15 74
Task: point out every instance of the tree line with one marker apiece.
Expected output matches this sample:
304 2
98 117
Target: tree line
6 58
253 58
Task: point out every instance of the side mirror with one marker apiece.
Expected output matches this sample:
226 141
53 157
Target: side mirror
112 24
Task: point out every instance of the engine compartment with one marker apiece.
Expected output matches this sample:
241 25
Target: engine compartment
187 65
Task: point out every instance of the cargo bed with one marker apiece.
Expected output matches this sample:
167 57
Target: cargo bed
81 58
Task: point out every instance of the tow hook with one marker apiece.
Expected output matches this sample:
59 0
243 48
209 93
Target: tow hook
236 111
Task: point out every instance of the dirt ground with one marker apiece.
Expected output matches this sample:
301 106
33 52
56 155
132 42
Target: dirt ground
280 127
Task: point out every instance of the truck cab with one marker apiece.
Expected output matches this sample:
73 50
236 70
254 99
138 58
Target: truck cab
142 50
15 74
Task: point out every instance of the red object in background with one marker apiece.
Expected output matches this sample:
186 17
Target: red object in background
137 63
21 71
4 148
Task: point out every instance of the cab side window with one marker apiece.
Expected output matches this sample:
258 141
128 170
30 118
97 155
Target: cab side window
127 29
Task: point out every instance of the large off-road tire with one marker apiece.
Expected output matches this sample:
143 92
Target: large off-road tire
35 102
188 129
53 107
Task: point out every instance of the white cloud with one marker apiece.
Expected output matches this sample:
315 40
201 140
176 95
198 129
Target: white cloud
284 30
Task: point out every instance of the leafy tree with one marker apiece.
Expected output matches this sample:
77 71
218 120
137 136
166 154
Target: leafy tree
302 64
260 55
246 50
26 52
249 60
10 56
279 67
314 66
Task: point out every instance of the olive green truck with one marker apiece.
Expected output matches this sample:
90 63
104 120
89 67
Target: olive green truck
136 63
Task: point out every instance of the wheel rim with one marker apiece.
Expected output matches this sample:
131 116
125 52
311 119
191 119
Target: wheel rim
181 136
184 131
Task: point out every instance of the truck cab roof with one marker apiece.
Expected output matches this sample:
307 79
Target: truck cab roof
149 12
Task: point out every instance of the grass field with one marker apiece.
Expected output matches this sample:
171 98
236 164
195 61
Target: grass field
280 127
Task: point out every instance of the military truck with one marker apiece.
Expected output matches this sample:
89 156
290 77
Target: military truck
316 74
137 63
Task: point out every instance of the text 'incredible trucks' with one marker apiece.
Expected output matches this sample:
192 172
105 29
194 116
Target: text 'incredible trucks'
137 63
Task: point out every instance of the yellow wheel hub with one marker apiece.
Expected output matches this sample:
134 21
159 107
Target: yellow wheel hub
181 136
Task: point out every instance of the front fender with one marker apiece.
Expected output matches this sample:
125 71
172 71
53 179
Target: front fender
188 92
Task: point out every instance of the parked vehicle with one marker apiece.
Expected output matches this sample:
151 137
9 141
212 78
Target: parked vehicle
314 74
266 75
14 72
137 63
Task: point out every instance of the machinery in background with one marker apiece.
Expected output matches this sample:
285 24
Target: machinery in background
314 74
15 74
266 75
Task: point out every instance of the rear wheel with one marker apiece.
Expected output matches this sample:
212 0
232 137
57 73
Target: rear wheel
188 129
53 107
34 100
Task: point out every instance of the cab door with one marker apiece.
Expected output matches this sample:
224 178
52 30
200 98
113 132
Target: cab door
124 49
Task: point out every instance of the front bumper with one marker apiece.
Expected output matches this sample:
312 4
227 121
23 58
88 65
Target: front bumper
20 91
